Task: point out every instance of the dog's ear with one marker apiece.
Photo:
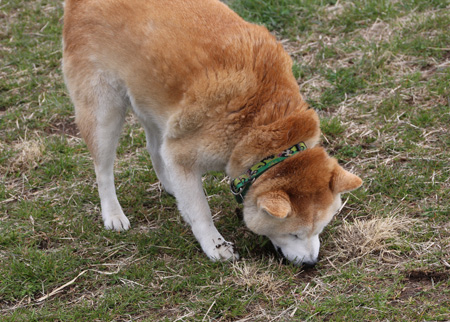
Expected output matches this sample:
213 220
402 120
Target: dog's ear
275 203
344 181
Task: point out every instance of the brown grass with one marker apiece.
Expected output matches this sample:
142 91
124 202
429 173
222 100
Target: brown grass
374 236
263 280
29 154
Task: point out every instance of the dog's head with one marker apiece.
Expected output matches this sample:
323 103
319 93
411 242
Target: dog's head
293 201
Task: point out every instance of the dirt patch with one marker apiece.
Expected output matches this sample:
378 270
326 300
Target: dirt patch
419 282
306 274
43 241
63 126
427 276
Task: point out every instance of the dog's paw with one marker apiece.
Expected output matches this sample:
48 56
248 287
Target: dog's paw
117 222
222 251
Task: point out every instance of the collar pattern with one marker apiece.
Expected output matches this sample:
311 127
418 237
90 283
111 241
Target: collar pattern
240 185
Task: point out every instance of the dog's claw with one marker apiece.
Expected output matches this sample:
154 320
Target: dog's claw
223 251
117 223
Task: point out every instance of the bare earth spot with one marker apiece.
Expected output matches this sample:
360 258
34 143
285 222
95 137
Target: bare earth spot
63 126
421 281
427 276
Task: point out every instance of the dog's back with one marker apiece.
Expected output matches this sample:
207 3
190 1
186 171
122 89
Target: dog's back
175 50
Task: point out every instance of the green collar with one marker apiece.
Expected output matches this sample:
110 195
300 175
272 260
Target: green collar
241 184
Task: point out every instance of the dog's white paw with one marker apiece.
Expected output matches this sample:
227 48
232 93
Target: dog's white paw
117 222
221 250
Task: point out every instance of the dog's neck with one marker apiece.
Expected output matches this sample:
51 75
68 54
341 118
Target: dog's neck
241 184
265 140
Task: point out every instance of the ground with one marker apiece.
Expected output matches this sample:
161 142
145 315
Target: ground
377 72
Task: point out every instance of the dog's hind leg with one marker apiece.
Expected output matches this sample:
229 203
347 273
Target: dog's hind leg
154 142
100 108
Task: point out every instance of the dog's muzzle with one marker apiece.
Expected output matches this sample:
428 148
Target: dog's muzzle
307 265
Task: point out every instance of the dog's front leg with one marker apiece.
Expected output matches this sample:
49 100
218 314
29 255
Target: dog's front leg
194 208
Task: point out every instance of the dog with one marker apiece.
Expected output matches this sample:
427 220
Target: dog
213 92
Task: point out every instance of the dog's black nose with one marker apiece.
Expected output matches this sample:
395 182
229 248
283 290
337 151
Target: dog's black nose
309 265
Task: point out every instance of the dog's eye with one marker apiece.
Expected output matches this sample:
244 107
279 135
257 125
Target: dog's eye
294 235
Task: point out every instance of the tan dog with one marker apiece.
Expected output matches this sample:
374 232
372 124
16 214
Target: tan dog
212 92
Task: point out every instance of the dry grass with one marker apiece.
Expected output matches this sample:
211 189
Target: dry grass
28 155
362 237
258 279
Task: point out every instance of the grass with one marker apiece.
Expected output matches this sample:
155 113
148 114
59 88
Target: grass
378 73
